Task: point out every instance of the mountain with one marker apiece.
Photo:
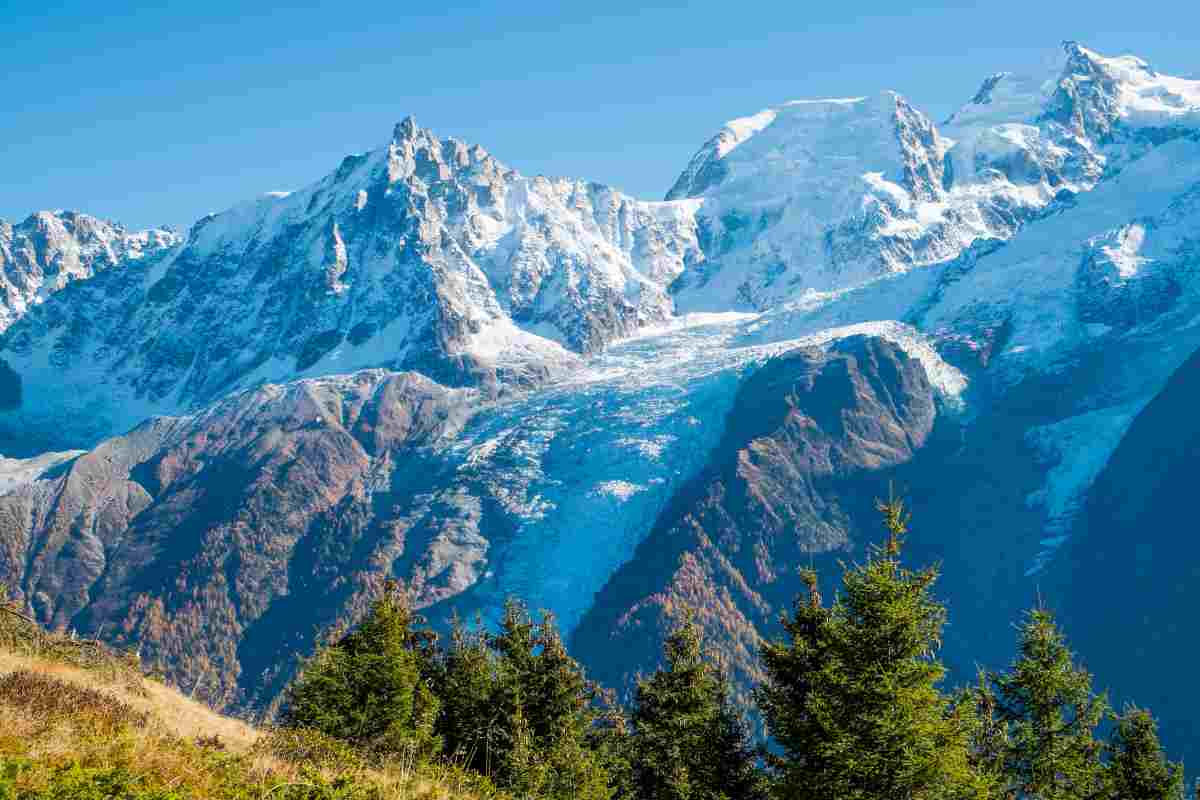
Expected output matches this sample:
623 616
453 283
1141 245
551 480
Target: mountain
50 249
428 366
425 254
803 446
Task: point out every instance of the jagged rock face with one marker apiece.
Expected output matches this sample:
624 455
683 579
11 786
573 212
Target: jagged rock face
1102 99
426 254
41 255
807 437
1084 101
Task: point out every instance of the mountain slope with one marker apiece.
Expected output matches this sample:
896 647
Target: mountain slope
182 534
1132 563
803 444
81 721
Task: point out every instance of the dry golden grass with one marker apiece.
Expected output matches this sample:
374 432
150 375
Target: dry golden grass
63 707
172 711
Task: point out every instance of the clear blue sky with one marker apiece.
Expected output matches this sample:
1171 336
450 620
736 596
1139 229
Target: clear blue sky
151 116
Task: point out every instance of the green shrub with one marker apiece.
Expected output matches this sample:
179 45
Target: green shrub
73 781
26 779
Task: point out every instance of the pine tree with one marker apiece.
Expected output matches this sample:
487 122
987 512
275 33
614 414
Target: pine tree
471 723
523 766
689 742
611 739
1137 768
543 688
852 697
1052 714
989 735
372 687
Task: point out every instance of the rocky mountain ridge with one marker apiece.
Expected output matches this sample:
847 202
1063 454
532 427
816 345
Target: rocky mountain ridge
50 249
430 254
426 254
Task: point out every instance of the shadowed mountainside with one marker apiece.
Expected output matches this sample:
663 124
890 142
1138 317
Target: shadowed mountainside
807 437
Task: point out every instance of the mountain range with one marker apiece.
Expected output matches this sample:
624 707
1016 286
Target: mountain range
428 366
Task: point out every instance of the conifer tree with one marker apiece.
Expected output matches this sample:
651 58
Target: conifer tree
689 742
989 733
544 690
1137 768
1052 714
371 687
471 723
851 695
523 766
611 739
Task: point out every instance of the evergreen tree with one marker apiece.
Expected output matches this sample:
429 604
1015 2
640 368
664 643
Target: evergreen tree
1137 767
611 739
523 765
471 723
535 664
549 708
852 697
1052 715
372 687
989 735
689 742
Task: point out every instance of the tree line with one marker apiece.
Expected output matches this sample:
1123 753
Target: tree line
852 701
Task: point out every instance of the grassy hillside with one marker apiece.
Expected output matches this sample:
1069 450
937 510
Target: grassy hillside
80 721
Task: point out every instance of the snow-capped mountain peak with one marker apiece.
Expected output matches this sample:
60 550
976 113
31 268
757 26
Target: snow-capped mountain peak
822 195
826 195
431 254
424 254
1096 92
1027 273
51 249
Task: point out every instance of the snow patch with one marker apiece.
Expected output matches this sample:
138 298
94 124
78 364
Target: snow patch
619 490
15 472
1148 99
1124 255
